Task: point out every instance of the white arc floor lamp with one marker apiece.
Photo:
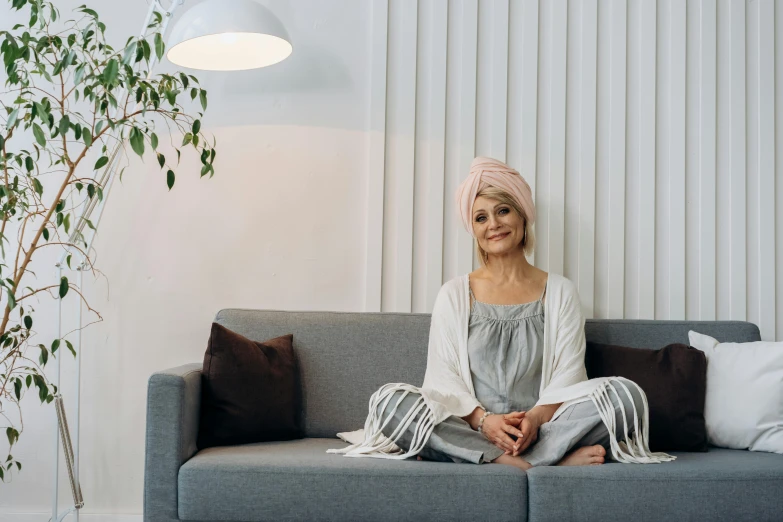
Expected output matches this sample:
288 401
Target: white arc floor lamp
217 35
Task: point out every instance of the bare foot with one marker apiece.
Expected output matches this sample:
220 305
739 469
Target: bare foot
518 462
585 456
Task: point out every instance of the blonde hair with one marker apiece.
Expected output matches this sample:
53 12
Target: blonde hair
529 239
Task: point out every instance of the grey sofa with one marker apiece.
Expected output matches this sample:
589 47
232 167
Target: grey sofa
344 358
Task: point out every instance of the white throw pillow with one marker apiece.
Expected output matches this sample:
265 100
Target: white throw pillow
744 404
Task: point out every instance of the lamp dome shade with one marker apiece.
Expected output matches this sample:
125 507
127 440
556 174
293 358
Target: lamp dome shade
228 35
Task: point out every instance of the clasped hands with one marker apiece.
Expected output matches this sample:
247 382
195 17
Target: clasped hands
512 432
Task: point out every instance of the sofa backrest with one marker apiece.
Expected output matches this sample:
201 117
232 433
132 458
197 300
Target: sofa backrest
345 357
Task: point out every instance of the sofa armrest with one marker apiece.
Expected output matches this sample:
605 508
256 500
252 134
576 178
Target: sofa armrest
173 402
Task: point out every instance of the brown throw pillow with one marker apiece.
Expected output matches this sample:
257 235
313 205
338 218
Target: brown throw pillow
674 379
250 391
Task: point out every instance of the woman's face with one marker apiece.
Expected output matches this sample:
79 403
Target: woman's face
497 226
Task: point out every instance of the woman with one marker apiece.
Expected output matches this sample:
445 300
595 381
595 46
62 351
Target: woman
505 380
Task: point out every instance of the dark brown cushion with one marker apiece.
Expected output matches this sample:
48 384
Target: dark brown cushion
674 379
250 391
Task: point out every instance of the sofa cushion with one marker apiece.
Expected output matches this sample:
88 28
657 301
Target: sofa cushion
298 480
250 390
674 379
719 485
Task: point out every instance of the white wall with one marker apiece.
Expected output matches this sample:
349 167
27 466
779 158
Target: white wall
279 226
648 131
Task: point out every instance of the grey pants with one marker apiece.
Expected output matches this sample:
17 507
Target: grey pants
453 440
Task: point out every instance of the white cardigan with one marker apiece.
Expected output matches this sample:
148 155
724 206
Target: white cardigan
448 386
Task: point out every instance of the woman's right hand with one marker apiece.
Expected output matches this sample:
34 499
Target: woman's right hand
498 429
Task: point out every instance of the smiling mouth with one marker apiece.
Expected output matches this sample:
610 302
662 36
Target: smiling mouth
501 236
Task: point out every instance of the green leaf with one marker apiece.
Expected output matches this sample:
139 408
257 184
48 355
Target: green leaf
46 234
63 286
12 118
110 73
159 46
79 75
68 260
55 345
137 141
18 388
11 299
187 138
28 322
130 53
86 136
193 93
146 48
171 96
44 357
65 124
196 126
29 164
39 135
154 140
43 389
203 98
37 186
170 178
99 190
70 347
161 159
103 160
90 190
67 222
12 435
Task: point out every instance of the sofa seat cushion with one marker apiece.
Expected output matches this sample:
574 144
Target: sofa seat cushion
298 480
721 484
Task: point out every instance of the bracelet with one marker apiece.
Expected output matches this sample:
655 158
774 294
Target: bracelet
481 420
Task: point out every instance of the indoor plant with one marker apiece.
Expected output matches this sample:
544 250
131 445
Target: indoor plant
68 93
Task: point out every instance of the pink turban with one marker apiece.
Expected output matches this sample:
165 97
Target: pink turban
489 172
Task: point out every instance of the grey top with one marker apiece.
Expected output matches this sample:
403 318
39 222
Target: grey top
505 352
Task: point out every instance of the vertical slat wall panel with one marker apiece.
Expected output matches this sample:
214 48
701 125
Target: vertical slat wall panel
467 118
706 164
615 269
437 136
640 161
499 100
628 152
676 160
646 229
376 156
730 167
586 154
580 150
765 209
551 168
400 157
779 172
529 26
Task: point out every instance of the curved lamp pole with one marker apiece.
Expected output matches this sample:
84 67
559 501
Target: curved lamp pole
219 35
